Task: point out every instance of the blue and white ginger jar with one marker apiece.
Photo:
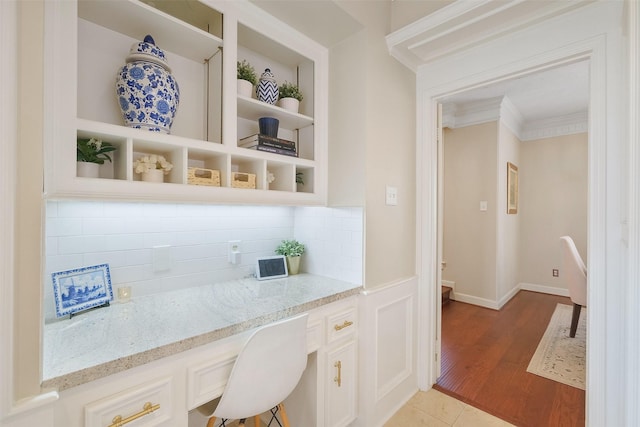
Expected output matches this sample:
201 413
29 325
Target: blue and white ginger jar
147 92
267 88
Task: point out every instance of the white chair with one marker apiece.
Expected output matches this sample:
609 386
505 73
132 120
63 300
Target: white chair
266 371
576 274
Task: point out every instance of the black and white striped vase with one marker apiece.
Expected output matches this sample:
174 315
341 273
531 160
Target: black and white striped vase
267 88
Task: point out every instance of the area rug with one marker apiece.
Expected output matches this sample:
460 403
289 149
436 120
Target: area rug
559 357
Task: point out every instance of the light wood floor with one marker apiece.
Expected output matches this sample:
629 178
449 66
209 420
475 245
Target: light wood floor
485 354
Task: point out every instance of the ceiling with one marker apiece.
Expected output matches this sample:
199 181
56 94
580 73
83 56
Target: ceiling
551 93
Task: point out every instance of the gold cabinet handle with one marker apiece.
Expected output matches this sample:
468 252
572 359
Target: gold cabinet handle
344 325
148 408
338 379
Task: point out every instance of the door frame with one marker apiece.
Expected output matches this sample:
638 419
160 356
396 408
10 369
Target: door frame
605 253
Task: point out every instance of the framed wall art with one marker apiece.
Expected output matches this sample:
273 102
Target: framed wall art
81 289
512 188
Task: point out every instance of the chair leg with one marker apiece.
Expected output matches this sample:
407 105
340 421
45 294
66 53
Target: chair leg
574 320
211 422
283 414
256 421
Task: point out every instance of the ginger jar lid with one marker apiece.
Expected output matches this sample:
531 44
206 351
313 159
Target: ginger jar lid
268 76
147 50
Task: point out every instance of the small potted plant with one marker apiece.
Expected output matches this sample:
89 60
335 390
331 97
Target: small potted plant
293 250
153 167
247 78
90 154
290 96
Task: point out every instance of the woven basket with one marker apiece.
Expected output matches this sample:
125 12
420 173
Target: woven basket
243 180
201 176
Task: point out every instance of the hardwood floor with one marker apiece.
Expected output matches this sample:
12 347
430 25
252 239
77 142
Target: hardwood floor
485 354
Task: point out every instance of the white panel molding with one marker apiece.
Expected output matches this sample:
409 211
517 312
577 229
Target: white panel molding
378 401
382 323
544 289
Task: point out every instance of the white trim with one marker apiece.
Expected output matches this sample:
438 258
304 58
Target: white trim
8 160
632 298
555 126
595 35
543 289
481 302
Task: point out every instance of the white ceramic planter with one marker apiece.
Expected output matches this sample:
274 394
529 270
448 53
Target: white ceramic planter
154 175
245 88
88 170
290 104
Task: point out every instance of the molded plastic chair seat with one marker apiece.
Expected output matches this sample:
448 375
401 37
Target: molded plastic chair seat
266 371
576 273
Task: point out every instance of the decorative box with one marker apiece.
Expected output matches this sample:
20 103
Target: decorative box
243 180
202 176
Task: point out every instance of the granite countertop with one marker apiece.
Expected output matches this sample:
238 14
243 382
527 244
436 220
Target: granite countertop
108 340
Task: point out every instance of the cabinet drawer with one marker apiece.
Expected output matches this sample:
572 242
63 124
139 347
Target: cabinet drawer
148 404
206 381
341 324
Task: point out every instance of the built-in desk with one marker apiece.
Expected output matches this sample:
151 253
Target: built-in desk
108 359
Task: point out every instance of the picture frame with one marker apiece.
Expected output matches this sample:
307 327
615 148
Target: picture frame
271 267
81 289
512 188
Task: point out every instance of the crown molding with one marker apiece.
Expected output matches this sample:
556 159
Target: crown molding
502 109
467 23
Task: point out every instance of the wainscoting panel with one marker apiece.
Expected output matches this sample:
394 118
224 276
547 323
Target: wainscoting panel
388 339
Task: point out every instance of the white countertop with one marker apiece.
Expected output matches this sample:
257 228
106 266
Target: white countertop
112 339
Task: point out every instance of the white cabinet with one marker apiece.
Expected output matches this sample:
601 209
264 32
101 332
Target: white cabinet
340 402
87 43
340 367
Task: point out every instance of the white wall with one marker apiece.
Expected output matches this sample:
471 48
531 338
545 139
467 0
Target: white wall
470 155
508 226
553 197
123 235
387 141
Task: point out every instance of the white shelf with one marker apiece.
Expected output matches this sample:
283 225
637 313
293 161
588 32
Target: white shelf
252 109
136 20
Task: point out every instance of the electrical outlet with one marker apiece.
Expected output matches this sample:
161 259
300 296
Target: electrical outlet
233 251
556 272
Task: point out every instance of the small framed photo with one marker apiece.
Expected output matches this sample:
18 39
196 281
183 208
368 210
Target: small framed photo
512 188
81 289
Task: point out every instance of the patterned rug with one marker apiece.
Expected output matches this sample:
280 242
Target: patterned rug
559 357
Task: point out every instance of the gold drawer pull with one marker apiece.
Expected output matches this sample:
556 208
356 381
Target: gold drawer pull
338 379
146 409
344 325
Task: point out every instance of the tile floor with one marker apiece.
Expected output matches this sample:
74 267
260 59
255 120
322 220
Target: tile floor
435 409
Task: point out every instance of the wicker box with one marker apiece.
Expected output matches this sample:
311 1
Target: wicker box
202 176
243 180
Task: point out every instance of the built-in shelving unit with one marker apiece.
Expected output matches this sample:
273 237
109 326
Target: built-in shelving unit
90 44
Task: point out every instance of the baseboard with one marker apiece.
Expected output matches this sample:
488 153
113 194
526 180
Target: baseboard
452 285
563 292
505 299
482 302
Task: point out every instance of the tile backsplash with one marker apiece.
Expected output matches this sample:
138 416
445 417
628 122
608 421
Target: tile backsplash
123 235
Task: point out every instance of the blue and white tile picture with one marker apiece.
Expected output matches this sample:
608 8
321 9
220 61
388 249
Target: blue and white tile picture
81 289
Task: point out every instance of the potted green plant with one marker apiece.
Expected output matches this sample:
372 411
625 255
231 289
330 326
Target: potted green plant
90 154
247 77
293 250
290 96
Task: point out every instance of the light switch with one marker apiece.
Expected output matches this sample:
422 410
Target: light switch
161 258
392 196
483 205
